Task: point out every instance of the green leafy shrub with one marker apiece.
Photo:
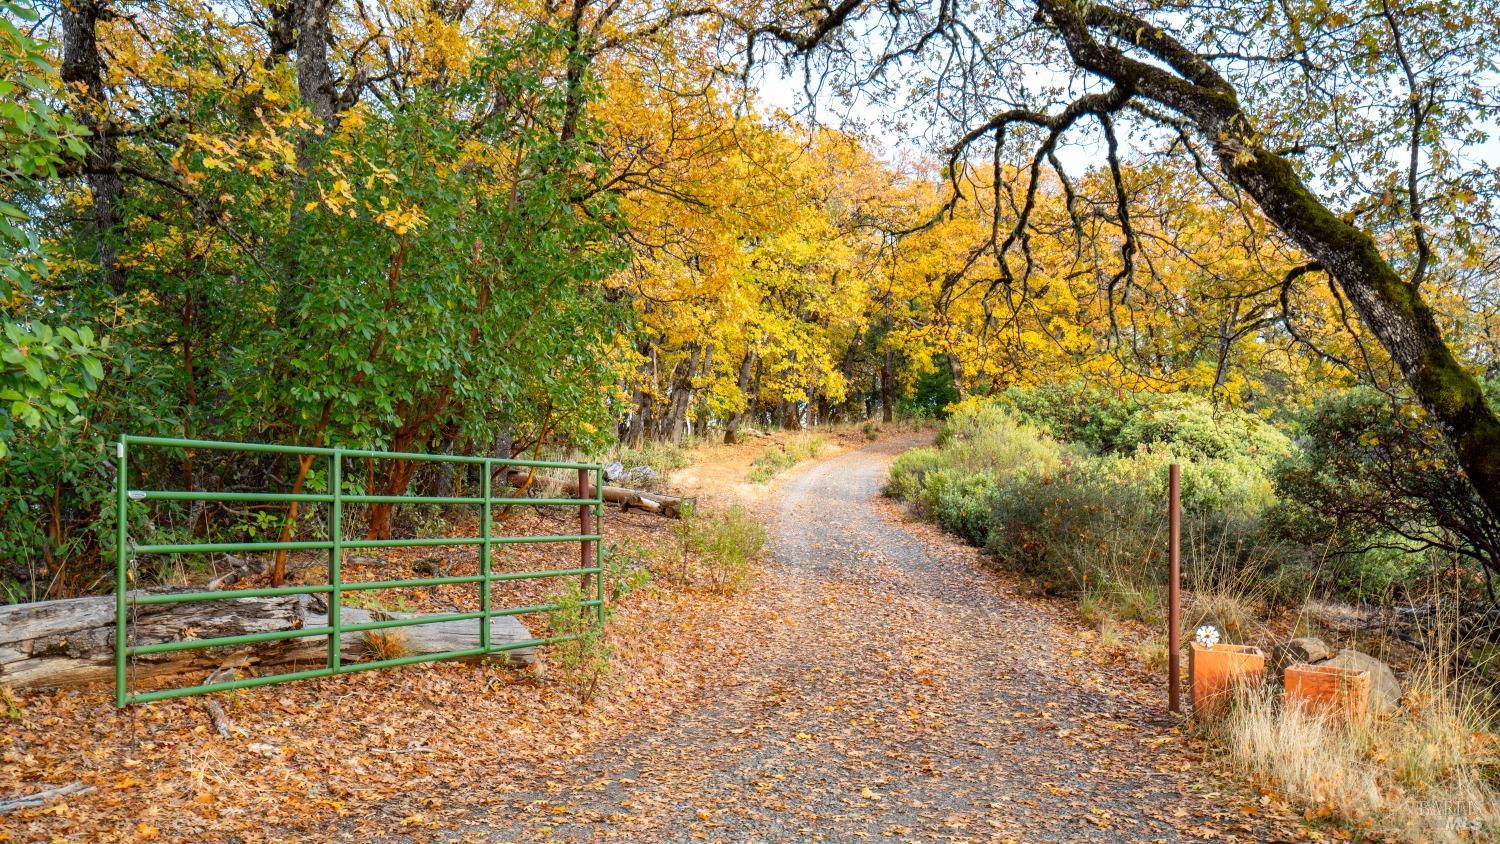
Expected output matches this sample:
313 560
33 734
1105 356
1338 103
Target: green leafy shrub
625 570
351 320
583 659
421 521
1191 427
1375 493
717 552
991 438
1074 528
962 501
1081 522
1382 572
46 370
909 472
1233 491
1078 413
932 393
1186 426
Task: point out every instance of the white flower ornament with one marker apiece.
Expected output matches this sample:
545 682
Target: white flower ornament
1207 636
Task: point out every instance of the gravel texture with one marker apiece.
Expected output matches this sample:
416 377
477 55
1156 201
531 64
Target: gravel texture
907 693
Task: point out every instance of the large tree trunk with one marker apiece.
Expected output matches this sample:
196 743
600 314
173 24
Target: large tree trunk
705 371
644 400
1392 309
956 372
848 367
635 431
303 26
682 395
504 445
281 29
576 60
83 71
314 76
627 429
399 473
396 479
697 371
737 419
888 387
1390 306
66 643
791 416
447 473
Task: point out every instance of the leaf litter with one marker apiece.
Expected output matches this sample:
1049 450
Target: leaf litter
877 682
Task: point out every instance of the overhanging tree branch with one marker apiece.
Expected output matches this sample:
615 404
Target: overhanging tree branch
1131 53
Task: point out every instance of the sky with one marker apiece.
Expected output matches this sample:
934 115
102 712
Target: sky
778 89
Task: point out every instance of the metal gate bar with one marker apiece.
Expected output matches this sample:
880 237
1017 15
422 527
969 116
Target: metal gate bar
591 510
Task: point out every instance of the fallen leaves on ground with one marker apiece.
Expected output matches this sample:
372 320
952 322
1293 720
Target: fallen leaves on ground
877 682
303 755
904 692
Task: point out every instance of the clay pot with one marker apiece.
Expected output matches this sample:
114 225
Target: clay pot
1217 671
1335 691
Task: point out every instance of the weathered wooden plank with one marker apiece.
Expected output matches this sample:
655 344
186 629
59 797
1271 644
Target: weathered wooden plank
71 642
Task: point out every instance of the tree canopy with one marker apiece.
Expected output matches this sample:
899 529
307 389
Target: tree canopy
1347 132
512 228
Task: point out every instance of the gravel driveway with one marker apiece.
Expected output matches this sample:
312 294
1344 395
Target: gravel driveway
908 694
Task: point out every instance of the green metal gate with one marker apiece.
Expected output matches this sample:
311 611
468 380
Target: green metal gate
591 509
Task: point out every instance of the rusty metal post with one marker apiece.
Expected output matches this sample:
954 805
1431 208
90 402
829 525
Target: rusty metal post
585 527
1174 589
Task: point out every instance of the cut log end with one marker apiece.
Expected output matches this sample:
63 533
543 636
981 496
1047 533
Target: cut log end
668 506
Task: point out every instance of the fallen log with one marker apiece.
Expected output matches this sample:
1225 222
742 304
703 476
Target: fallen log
669 506
72 642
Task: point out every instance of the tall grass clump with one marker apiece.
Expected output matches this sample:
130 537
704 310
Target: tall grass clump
664 457
782 456
583 659
1424 774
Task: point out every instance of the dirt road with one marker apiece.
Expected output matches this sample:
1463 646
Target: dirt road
908 694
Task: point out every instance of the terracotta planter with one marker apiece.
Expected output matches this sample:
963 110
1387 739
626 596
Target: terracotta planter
1331 690
1217 671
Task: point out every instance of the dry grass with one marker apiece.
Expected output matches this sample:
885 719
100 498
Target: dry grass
1427 772
385 644
1227 585
1154 654
1234 613
784 455
1418 775
1110 637
1094 609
